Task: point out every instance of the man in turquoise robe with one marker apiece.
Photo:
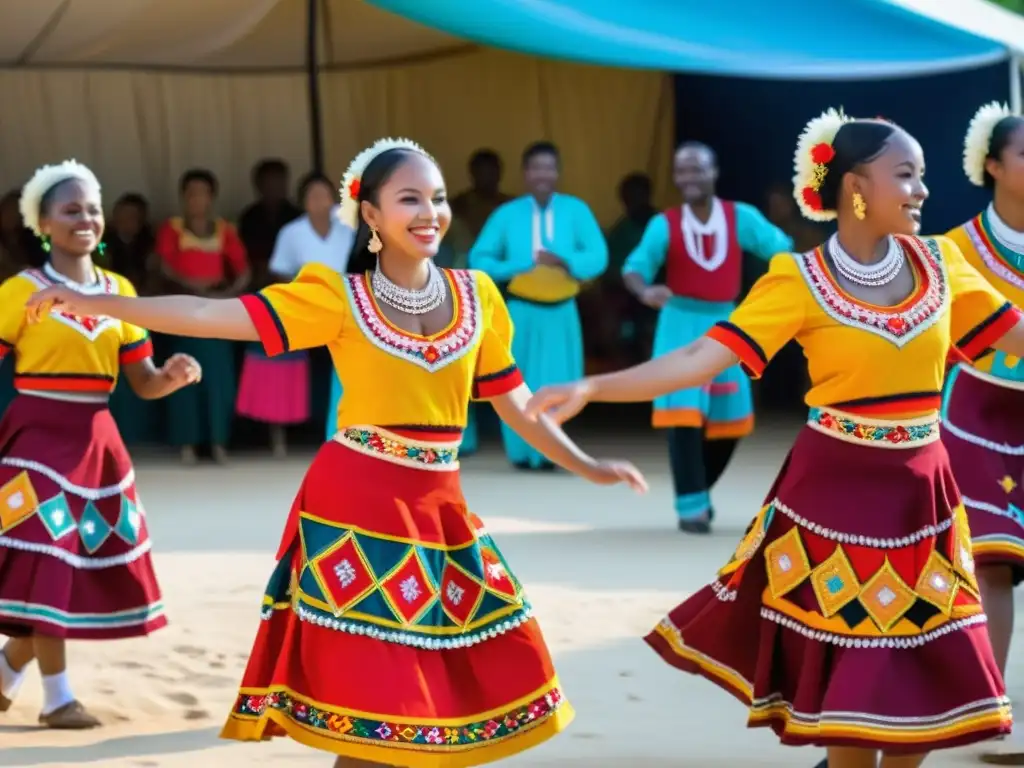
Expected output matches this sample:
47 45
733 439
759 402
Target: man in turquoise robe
541 247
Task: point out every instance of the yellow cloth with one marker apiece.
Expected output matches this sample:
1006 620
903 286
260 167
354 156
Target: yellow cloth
545 284
64 353
895 367
390 377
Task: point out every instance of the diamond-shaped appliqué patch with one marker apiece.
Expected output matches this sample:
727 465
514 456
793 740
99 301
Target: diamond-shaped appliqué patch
129 521
886 597
834 582
460 594
56 516
937 583
786 563
409 589
18 501
343 574
93 529
496 575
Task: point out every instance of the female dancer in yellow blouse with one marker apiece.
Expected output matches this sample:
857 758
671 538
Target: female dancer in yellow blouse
74 544
849 616
394 631
983 409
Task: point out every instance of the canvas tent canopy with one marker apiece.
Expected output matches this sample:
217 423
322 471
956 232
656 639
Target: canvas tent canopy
143 89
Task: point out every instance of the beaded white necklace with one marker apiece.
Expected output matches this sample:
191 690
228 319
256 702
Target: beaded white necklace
882 272
412 302
1004 233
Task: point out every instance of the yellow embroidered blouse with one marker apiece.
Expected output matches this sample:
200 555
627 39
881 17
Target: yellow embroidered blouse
392 378
1004 269
866 359
63 352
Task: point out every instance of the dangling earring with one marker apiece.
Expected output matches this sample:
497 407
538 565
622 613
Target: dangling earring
375 245
45 239
101 248
860 208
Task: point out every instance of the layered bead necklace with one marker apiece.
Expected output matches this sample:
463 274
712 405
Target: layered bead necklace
412 302
882 272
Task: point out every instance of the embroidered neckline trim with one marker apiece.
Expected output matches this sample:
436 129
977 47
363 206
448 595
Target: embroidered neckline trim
899 324
991 253
430 353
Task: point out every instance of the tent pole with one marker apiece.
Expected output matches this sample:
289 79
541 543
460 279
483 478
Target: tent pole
1015 84
313 85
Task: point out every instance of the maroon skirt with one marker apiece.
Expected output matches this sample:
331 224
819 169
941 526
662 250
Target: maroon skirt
74 545
983 431
849 614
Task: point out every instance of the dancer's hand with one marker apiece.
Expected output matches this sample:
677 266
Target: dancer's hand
559 402
58 297
611 472
656 296
182 370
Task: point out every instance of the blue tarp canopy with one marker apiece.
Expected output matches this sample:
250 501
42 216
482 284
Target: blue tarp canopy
779 39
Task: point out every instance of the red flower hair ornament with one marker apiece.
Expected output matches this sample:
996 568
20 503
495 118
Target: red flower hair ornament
814 152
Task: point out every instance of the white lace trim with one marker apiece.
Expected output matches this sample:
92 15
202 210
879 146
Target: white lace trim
90 494
850 641
407 638
722 592
918 317
992 509
857 539
450 347
77 561
995 265
1003 448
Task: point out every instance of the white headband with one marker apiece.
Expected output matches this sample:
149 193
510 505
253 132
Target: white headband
352 180
45 179
978 140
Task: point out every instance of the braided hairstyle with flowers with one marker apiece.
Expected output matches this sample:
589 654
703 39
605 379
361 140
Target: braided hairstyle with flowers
831 146
368 172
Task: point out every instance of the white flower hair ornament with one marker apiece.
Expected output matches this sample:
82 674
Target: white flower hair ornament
810 163
978 140
45 179
348 211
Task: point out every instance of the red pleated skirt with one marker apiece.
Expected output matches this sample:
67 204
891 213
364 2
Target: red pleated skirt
74 545
849 614
393 629
983 431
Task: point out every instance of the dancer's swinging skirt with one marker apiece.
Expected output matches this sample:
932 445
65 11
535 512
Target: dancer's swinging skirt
858 568
393 630
74 544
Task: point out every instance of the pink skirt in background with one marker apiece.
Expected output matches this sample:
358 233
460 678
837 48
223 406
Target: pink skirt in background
274 390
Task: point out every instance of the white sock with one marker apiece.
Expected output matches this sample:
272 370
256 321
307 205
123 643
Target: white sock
56 692
10 681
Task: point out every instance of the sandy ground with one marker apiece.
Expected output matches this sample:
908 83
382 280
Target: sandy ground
601 566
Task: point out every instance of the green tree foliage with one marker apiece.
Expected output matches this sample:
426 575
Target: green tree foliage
1017 6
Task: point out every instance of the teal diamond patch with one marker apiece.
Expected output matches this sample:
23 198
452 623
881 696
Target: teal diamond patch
129 522
56 516
93 529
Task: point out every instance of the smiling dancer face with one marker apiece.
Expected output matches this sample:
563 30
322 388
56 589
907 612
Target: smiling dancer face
883 165
402 198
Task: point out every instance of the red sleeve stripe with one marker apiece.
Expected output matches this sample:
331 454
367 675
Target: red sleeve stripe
985 334
268 324
136 351
752 358
495 384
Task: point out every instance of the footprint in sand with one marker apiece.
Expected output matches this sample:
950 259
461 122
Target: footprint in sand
128 665
196 714
191 651
183 697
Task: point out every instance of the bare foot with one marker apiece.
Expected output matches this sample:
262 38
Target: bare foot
219 454
188 456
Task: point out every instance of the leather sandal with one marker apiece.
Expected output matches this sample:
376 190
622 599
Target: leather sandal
71 717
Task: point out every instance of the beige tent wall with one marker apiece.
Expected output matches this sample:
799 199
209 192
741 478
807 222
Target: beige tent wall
140 130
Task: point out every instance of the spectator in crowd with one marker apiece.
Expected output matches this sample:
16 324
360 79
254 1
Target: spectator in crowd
474 205
18 248
201 254
129 250
261 222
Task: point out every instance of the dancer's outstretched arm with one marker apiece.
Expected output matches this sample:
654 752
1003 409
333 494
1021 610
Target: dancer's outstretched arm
546 436
692 366
177 315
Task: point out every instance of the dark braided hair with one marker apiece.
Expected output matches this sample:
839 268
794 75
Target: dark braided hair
1002 134
856 143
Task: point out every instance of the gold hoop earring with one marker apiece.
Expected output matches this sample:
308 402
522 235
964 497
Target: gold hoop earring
860 208
375 245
